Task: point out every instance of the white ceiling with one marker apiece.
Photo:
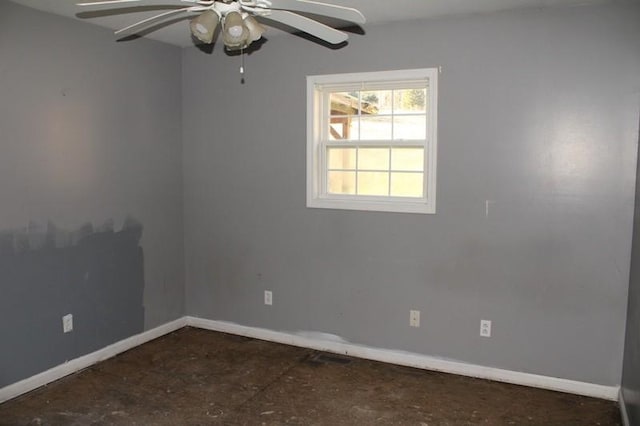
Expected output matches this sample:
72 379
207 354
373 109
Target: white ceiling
376 11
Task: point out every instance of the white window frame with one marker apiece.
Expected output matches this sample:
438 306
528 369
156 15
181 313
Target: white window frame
317 195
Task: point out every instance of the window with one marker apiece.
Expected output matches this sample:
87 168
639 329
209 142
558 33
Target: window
371 141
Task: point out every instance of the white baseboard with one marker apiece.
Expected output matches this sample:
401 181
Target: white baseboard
384 355
77 364
623 410
413 360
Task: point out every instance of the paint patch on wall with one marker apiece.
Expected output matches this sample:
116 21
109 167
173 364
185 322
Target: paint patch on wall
94 273
36 236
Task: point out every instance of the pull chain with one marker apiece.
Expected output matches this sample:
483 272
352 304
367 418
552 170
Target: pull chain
242 61
242 65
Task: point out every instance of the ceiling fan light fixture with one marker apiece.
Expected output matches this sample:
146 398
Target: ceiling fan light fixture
236 17
255 28
204 26
235 32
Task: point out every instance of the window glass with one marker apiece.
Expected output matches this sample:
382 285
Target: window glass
372 141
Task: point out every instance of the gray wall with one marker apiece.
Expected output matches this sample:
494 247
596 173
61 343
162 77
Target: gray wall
90 188
538 113
631 366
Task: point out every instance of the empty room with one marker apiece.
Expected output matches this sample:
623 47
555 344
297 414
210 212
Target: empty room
358 212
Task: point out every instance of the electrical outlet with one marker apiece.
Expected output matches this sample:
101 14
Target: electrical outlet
67 323
268 297
485 328
414 318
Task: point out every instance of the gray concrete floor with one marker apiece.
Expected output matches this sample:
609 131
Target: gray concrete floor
198 377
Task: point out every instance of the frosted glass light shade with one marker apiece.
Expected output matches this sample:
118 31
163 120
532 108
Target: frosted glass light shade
235 33
204 26
255 28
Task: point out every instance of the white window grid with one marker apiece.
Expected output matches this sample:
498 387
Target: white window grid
357 143
319 90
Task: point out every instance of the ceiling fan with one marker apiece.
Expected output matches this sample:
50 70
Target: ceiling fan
237 17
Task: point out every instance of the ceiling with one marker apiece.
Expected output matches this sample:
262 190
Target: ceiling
376 11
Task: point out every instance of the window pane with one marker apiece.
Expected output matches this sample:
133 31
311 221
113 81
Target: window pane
410 127
407 184
375 128
377 102
410 101
373 159
342 183
344 103
341 128
407 159
373 183
341 158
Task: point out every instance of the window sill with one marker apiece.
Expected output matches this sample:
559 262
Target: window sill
419 207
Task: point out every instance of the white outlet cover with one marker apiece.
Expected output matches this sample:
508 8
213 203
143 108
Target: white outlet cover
414 318
67 323
485 328
268 297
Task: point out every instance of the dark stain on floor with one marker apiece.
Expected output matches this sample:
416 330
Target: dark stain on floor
199 377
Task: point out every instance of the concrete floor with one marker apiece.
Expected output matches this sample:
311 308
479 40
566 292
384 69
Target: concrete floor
198 377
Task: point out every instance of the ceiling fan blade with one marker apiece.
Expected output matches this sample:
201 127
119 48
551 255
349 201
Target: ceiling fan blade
309 26
324 9
112 4
150 22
